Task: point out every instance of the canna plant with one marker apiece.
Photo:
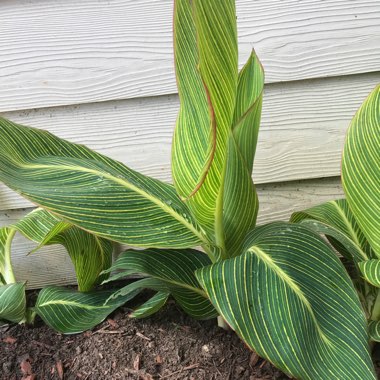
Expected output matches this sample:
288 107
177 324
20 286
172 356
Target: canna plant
280 286
90 256
352 225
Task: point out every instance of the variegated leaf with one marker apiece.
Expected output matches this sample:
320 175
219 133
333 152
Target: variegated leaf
290 299
92 191
361 168
168 271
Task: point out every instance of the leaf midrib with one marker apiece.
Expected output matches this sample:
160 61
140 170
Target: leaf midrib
293 286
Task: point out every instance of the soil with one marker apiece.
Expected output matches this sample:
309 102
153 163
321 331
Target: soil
168 345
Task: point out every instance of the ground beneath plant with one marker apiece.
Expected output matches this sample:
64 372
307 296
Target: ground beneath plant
168 345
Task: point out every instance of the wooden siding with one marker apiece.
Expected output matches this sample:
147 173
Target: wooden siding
68 52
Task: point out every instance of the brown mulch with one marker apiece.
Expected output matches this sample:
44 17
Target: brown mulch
168 345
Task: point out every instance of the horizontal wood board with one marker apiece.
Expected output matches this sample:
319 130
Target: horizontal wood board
51 265
69 52
301 137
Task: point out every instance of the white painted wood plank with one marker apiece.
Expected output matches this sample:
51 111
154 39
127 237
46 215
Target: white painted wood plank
302 134
51 265
67 52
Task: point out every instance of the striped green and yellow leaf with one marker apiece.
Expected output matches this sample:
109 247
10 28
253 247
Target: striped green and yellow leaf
92 191
374 330
290 299
151 306
217 126
361 168
336 220
89 253
6 270
70 312
12 302
168 271
370 270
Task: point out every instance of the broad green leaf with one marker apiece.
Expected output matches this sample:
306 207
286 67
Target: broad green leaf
12 302
169 271
6 270
217 126
92 191
290 299
361 168
370 270
71 312
151 306
374 330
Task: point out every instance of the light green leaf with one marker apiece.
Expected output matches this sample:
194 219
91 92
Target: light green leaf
71 312
361 168
12 302
6 270
370 270
290 299
92 191
168 270
374 330
217 126
151 306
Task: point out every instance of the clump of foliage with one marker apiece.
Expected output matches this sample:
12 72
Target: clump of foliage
352 225
280 286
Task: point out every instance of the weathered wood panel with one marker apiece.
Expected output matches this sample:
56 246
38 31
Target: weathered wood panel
68 52
51 265
303 129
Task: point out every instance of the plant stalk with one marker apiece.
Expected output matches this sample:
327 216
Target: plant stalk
375 315
223 324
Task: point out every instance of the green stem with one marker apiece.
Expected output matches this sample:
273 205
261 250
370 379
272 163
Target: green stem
375 315
219 228
30 316
223 324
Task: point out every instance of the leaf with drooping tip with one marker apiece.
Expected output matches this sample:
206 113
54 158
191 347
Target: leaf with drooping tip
94 192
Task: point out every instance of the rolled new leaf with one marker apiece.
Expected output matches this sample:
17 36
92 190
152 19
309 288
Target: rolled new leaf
361 168
71 312
92 191
12 302
290 299
168 271
217 126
